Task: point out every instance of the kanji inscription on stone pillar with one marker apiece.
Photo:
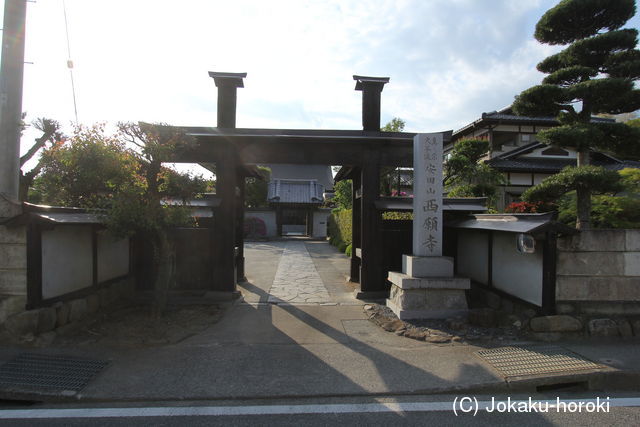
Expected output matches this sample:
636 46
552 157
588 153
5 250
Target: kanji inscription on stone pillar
427 194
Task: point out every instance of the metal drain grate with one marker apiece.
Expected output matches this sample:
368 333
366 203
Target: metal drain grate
535 360
36 372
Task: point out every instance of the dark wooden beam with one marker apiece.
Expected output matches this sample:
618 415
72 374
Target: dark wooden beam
94 253
371 88
240 228
549 257
34 264
354 275
227 84
372 280
279 220
309 230
298 150
224 237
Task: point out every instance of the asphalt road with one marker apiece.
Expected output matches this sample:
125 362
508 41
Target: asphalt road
379 411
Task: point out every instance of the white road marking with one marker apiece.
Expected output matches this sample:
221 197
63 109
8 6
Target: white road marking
191 411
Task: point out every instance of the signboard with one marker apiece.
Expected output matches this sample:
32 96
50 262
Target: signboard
427 194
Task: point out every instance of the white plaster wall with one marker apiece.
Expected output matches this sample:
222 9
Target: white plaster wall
269 218
537 153
515 273
320 219
538 177
507 128
67 260
113 257
520 178
473 258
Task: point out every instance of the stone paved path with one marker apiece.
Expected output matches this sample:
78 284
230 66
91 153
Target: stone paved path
297 280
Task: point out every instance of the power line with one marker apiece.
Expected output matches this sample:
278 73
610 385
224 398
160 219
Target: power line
69 60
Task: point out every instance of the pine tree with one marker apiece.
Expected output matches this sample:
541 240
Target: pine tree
594 74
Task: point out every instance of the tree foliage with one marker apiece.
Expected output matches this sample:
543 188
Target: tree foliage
137 210
571 20
596 71
257 189
86 170
594 179
123 176
465 175
606 211
390 176
343 194
50 135
631 181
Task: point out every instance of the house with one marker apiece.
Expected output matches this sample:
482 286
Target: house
516 152
296 194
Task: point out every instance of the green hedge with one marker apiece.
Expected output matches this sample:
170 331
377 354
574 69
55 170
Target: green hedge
340 228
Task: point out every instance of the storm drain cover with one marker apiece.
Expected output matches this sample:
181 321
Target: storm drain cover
44 373
535 360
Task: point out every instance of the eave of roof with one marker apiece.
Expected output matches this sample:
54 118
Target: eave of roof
532 164
469 204
504 116
515 223
554 165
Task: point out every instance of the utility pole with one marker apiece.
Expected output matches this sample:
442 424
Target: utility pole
11 78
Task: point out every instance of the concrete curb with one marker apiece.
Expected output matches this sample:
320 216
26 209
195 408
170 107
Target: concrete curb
610 381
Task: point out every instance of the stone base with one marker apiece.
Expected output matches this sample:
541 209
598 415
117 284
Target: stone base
404 314
427 297
420 266
404 281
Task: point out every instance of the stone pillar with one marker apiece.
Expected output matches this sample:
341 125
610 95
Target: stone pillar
426 287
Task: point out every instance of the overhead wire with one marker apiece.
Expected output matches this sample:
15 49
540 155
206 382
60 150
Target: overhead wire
70 61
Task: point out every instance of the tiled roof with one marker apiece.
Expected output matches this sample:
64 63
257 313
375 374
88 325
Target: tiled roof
295 191
556 165
513 117
526 164
506 115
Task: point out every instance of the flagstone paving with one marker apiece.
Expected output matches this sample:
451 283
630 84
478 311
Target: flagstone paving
297 280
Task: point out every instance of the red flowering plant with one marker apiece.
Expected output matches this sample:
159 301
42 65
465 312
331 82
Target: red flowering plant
526 207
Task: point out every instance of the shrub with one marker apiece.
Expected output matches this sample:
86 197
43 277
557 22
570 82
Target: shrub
340 225
348 250
526 207
391 215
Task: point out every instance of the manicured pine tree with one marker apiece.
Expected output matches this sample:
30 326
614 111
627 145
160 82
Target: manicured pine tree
594 74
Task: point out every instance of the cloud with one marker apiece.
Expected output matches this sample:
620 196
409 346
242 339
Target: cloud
449 60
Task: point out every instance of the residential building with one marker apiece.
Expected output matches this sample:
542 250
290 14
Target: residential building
296 194
516 152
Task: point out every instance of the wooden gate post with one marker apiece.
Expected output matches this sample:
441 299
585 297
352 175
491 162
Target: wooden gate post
372 284
224 237
354 275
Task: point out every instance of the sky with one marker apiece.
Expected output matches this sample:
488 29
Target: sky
148 60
